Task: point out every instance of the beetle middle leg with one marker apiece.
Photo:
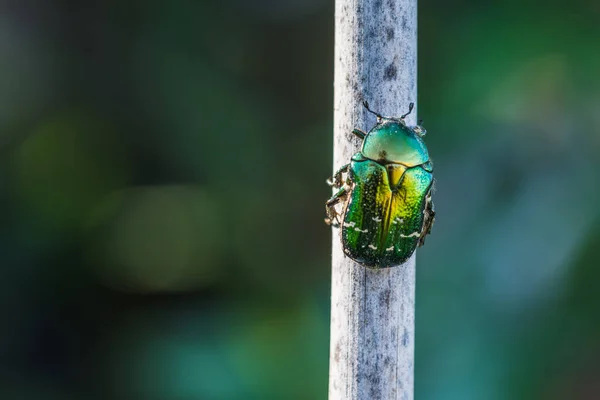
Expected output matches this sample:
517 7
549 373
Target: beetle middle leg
333 217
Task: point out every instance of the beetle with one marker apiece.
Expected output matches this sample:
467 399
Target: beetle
383 203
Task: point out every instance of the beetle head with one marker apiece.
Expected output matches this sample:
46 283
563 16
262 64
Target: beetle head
381 119
418 129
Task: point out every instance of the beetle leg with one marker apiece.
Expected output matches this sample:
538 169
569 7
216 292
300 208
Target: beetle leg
336 180
332 214
429 213
359 133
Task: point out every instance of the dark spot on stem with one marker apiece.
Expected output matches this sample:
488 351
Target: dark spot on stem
384 297
374 389
405 338
389 33
390 72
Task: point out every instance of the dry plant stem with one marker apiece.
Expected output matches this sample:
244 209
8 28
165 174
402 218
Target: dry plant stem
372 311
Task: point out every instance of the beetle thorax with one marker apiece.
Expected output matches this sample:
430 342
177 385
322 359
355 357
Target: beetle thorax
391 141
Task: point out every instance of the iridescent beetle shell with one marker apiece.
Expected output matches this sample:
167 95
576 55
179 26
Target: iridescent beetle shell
383 205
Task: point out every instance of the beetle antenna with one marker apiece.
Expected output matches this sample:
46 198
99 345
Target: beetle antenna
366 104
410 108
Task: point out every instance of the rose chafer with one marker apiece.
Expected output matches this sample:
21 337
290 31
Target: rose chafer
383 203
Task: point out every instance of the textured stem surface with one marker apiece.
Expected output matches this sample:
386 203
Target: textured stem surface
372 311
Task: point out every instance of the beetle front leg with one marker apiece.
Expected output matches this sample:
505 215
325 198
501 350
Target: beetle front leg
336 179
333 217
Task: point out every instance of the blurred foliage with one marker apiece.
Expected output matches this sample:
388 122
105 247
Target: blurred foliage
162 182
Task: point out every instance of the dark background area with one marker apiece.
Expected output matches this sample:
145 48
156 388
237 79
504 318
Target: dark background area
162 187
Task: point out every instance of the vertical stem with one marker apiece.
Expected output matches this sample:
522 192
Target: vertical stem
372 311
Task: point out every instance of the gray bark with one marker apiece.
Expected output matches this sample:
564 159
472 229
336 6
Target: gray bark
372 311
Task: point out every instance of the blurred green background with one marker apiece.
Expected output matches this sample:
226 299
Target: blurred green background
162 181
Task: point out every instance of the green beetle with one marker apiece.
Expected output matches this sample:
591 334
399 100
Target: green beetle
383 204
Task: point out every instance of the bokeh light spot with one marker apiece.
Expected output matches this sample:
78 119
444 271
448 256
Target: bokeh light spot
161 238
66 165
